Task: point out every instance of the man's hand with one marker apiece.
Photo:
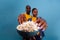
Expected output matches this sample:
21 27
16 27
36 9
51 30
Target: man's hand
21 18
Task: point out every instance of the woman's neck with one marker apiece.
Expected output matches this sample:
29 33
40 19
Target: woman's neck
34 16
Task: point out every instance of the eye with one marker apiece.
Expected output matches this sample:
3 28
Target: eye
35 11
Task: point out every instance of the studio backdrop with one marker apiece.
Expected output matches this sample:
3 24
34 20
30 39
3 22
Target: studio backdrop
47 9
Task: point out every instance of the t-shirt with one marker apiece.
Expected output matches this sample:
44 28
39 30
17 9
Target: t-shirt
27 16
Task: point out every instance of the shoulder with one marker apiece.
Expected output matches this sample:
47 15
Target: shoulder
22 14
41 18
30 19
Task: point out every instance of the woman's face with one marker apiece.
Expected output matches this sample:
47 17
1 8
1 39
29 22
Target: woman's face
35 12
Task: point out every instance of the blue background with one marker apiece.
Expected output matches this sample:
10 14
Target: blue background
10 9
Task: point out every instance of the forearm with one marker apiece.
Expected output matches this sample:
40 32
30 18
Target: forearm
44 26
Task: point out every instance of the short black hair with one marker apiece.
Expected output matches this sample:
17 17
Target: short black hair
28 6
34 9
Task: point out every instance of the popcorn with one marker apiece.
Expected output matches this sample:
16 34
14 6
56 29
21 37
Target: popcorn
28 26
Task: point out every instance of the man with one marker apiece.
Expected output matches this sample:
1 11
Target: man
25 15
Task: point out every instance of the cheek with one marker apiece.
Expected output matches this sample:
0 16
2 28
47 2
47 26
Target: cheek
34 13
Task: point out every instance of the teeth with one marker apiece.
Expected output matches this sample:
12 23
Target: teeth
29 26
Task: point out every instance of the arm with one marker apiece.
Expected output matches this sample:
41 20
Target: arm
42 23
21 18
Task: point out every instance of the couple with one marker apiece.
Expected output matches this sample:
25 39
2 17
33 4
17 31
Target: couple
27 17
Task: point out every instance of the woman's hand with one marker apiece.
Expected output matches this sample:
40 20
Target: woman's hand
41 23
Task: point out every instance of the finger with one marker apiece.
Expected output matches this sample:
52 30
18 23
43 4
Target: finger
44 26
34 38
41 23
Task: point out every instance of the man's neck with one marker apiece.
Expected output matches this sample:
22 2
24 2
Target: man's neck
28 13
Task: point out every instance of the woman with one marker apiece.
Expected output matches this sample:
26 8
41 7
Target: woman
41 23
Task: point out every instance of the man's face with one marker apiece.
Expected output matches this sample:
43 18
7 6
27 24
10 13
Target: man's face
35 12
28 9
